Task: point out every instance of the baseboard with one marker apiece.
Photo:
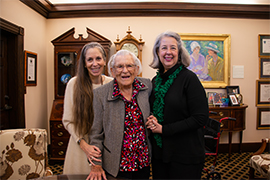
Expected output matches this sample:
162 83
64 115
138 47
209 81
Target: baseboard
246 147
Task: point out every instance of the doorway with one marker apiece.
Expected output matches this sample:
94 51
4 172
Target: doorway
12 89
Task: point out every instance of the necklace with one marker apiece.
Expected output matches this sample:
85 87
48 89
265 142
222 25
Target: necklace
160 92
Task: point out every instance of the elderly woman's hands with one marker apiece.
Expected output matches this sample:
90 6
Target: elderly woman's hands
153 124
92 152
97 173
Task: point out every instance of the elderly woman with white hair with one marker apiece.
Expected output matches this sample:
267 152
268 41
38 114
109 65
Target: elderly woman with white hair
121 109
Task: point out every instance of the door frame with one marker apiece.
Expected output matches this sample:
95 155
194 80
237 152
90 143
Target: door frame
18 54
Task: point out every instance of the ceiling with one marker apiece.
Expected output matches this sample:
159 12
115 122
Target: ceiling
188 1
177 8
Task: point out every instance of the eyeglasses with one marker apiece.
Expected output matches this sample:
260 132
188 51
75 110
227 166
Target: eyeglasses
129 67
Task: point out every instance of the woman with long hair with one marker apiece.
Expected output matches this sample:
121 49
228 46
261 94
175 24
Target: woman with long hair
78 108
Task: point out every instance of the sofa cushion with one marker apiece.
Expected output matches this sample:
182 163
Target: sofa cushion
23 153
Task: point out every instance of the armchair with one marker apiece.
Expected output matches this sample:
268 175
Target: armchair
260 161
23 154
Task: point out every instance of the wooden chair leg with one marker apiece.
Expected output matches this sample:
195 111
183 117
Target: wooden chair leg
251 172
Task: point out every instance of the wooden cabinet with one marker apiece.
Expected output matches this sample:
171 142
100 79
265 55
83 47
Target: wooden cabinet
66 54
238 112
59 135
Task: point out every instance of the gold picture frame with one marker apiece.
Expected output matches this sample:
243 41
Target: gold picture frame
262 92
263 120
264 68
215 48
264 42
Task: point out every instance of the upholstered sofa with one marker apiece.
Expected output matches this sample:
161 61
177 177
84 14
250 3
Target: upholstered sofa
23 153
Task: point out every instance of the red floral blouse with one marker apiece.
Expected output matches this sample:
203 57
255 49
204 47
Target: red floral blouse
134 155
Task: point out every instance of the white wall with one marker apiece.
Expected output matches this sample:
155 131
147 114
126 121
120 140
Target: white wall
34 26
244 51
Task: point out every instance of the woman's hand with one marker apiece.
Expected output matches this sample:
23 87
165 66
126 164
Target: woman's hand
92 152
97 173
153 124
208 57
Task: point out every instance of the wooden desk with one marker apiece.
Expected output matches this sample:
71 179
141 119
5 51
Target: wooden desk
238 112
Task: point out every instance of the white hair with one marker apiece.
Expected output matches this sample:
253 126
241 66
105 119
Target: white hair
123 52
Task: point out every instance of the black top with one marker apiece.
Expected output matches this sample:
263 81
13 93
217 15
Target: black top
185 114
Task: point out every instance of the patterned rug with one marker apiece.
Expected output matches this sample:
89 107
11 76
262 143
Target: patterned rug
236 168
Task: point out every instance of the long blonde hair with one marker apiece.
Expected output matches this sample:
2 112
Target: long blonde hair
83 114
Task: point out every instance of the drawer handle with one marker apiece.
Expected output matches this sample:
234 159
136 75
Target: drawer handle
60 143
221 114
61 153
60 134
221 125
60 125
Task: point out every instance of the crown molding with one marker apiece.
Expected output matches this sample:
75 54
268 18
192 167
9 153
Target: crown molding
155 9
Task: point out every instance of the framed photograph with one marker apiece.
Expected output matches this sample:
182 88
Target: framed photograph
210 58
263 93
218 99
233 100
30 70
264 68
232 89
264 45
210 97
263 118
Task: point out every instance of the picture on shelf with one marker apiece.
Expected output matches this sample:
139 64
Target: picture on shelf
233 100
218 98
210 97
233 90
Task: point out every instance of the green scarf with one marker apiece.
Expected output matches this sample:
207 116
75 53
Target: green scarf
160 92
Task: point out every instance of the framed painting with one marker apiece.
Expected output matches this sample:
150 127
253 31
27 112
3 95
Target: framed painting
264 45
210 58
263 118
264 68
30 70
262 92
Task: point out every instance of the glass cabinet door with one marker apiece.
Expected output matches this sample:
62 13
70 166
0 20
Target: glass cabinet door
66 70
